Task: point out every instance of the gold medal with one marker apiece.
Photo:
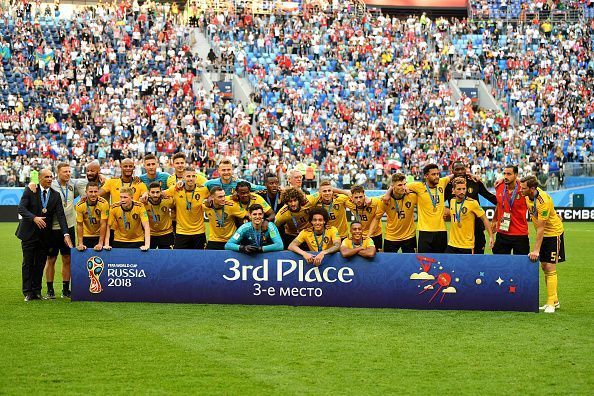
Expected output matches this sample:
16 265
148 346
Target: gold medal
65 204
459 225
435 209
44 210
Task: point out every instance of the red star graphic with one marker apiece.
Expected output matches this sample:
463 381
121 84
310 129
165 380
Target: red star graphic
512 289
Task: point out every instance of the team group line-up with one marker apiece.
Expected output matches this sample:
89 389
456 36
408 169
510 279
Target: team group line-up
162 211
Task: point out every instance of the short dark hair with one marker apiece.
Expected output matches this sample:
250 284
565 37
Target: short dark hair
216 189
91 184
512 167
356 222
428 168
398 177
155 184
243 183
270 175
357 189
531 181
254 207
150 157
318 210
457 164
178 155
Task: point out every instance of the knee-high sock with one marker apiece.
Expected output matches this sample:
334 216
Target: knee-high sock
551 282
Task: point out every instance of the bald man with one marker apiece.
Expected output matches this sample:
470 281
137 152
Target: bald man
111 188
38 211
93 174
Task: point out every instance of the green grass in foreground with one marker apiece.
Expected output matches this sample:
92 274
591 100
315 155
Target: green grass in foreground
60 347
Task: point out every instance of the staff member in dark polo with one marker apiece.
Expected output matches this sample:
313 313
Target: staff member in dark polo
474 188
38 210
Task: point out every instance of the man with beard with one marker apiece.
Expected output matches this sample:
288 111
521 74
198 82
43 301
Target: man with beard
223 216
399 206
111 188
474 188
335 205
92 213
226 180
272 193
159 209
367 211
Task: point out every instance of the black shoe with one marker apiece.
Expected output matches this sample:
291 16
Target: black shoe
66 294
51 295
38 296
29 297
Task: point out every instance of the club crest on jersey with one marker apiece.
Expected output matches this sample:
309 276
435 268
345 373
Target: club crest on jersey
408 205
135 216
464 210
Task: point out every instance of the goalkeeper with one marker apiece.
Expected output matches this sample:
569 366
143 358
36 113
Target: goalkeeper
252 237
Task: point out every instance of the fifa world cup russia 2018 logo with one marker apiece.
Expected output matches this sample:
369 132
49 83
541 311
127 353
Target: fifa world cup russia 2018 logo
95 266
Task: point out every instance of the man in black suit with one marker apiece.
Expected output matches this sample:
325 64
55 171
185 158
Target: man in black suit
38 211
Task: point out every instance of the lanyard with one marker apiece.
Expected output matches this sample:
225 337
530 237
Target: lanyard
241 206
534 208
356 245
329 210
153 211
320 246
221 219
434 198
396 203
64 194
257 237
129 184
294 221
275 201
89 212
44 202
189 203
126 224
459 211
510 200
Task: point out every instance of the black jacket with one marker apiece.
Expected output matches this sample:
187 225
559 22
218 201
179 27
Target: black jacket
473 190
30 207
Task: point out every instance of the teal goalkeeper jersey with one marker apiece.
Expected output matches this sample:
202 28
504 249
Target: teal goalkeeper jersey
269 240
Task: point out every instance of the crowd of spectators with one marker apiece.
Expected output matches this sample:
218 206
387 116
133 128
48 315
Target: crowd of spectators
352 98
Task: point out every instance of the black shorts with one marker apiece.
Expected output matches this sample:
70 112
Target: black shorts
212 245
552 250
407 246
378 241
433 241
479 237
505 244
126 245
57 245
162 241
90 242
190 241
457 250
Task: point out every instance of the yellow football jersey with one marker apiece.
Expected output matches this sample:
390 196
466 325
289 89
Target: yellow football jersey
400 224
462 232
336 212
188 209
545 210
221 222
317 243
256 199
113 187
173 179
91 215
160 216
430 217
365 215
127 224
293 221
367 242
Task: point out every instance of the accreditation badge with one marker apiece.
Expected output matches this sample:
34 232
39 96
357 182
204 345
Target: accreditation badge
505 222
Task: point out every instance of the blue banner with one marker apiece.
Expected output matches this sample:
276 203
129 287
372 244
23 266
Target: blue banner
390 280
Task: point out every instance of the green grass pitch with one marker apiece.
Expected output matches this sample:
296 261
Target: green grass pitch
58 347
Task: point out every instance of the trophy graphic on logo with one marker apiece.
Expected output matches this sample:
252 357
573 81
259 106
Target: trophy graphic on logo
95 266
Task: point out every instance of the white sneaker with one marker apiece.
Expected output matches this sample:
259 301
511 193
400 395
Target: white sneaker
557 306
549 309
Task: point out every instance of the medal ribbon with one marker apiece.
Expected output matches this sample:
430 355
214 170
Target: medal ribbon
320 246
510 200
64 194
44 202
189 203
258 237
153 211
89 212
221 219
434 198
275 201
459 211
294 221
125 220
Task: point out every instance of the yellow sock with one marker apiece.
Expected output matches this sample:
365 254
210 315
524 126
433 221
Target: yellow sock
551 282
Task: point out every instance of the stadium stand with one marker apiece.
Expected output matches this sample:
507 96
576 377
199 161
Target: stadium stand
353 97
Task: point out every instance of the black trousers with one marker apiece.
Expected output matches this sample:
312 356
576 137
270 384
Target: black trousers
162 241
190 241
213 245
34 257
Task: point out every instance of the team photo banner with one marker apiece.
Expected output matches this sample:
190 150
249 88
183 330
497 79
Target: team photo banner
390 280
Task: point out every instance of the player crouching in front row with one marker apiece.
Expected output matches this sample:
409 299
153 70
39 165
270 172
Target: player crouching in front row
357 244
252 238
320 238
129 222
